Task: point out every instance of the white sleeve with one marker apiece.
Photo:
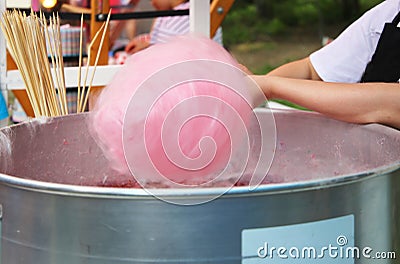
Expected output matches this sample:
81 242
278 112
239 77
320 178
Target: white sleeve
345 59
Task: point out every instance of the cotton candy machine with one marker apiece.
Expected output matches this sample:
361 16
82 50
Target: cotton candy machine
332 192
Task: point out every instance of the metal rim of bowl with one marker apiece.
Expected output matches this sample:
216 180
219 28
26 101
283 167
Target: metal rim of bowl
192 193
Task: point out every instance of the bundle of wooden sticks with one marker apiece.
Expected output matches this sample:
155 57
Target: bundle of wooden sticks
41 65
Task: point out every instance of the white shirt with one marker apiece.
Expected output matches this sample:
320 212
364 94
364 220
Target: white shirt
166 27
345 58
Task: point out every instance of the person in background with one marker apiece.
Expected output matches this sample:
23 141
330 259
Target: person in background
118 27
355 78
165 27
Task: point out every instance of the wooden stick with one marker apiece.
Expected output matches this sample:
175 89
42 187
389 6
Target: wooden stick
26 43
58 66
61 69
87 67
24 46
7 22
51 53
97 58
10 20
41 65
44 66
78 110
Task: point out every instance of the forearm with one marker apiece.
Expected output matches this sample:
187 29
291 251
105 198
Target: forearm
358 103
300 69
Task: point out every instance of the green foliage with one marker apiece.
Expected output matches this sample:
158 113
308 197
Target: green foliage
275 27
265 69
367 4
290 104
306 13
252 20
243 25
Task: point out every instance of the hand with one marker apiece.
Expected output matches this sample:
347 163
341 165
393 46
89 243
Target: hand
136 45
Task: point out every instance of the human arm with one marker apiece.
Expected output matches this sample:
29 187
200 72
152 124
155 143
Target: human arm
300 69
115 31
340 65
356 102
136 45
140 42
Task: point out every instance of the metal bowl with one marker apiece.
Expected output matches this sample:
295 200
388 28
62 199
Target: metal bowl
331 184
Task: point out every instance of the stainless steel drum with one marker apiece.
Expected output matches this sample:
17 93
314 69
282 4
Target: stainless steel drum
332 197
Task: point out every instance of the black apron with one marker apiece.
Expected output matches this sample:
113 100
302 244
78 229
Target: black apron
385 63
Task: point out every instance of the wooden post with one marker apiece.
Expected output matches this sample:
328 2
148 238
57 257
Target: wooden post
21 95
218 11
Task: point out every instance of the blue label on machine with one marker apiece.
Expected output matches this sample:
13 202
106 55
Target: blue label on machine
326 241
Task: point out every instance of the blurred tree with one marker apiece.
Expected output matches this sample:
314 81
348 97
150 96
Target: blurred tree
350 9
265 8
252 20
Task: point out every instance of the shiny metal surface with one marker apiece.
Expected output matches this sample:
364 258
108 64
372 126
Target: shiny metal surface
323 169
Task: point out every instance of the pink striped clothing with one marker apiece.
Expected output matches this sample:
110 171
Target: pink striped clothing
166 27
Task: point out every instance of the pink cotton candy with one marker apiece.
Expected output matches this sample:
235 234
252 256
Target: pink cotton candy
184 154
